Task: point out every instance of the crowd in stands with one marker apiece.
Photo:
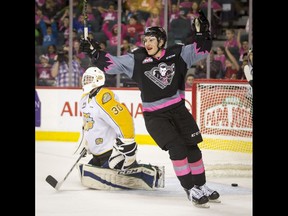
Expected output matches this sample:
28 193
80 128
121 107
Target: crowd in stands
52 29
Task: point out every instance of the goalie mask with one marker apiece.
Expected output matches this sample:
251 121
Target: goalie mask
92 78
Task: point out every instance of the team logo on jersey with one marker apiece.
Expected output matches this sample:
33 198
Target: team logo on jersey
147 60
99 141
161 75
88 121
106 97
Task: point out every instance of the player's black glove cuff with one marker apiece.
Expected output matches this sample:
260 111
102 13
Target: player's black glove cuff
202 36
89 47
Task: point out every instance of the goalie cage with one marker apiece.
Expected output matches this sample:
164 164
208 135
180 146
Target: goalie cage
145 177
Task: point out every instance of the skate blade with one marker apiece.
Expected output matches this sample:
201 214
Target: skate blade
215 201
205 205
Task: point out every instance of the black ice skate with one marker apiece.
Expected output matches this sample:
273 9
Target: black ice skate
211 194
197 196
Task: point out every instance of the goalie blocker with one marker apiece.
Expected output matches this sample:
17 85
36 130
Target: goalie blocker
142 176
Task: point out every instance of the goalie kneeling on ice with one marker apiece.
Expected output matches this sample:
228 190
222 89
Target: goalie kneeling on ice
143 176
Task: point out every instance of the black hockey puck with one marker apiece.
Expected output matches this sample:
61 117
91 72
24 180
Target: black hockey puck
234 184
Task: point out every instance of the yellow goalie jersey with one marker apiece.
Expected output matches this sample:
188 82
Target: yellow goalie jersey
105 119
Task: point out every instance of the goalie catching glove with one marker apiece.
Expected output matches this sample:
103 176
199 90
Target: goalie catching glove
123 155
89 47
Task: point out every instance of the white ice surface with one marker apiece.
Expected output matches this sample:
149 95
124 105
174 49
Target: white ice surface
73 199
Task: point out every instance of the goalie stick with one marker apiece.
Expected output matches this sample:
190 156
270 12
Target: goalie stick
81 140
54 183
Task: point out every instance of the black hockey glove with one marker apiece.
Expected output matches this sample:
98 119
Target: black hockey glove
201 26
89 47
83 152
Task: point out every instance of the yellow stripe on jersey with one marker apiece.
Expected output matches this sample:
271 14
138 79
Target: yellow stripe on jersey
117 111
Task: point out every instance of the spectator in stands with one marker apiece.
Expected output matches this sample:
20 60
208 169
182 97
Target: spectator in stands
215 6
155 18
43 72
109 14
185 5
193 12
63 23
90 14
215 68
132 10
60 71
77 8
231 40
113 34
76 51
243 44
52 53
240 74
232 66
232 43
160 5
220 56
145 7
134 30
49 32
180 28
40 16
79 60
173 13
189 79
125 46
50 8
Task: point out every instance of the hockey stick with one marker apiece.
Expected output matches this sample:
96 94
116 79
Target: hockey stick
84 12
54 183
85 33
82 136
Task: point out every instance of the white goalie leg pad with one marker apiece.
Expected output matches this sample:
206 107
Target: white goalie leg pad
145 177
